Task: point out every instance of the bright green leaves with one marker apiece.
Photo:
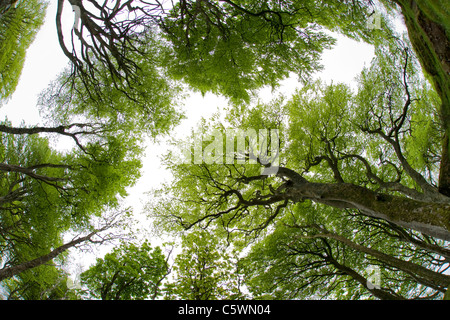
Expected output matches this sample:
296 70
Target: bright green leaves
319 258
318 124
397 106
234 48
34 211
333 137
384 88
46 282
204 270
18 26
328 134
46 193
129 272
102 176
25 195
222 197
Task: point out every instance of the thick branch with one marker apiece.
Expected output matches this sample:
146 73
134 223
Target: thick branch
429 218
62 130
29 171
62 44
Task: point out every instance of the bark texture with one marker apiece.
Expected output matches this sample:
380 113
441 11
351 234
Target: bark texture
430 218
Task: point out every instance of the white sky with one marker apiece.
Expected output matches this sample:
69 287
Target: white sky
45 60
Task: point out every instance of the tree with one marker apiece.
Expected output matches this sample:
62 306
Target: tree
92 172
19 24
129 272
333 141
211 31
113 37
8 272
149 109
258 43
46 282
428 30
246 38
47 193
204 270
367 260
33 261
374 152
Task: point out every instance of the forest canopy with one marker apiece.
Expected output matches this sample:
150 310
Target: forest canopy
334 192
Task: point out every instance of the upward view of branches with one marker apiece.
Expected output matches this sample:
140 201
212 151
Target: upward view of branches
356 205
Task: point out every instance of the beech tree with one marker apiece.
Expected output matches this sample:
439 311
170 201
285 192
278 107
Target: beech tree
10 271
46 193
19 23
380 152
375 152
428 30
348 256
32 259
259 43
204 270
46 282
333 142
129 272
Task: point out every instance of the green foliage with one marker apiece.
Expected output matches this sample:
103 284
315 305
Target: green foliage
148 108
384 137
30 209
46 193
18 27
129 272
204 270
42 283
295 263
330 135
318 123
428 29
234 48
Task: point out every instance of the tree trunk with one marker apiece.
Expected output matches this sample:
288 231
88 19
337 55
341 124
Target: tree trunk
430 218
430 38
14 270
377 292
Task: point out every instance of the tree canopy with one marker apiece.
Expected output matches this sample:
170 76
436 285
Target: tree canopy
205 270
332 193
19 24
